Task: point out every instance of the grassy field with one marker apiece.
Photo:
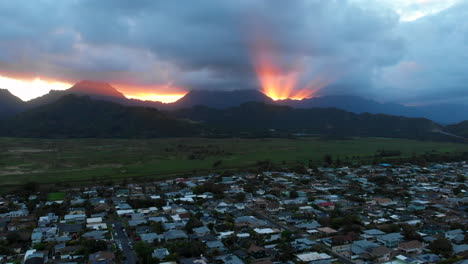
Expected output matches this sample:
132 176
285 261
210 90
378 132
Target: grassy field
55 196
69 160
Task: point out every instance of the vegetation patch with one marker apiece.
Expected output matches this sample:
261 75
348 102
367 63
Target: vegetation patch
56 196
105 160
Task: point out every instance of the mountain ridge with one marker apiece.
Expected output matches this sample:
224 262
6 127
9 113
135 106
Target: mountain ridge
443 113
74 116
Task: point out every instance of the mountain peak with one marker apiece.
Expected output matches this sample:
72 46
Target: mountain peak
221 98
95 88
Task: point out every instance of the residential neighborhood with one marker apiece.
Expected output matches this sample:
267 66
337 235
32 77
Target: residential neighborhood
405 214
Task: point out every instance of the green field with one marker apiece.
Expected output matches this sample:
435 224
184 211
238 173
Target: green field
55 196
74 160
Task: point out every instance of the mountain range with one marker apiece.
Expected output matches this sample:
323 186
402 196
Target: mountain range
92 109
441 113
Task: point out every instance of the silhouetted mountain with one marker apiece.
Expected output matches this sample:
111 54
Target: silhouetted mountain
95 88
81 116
10 104
443 113
260 118
350 103
220 99
460 129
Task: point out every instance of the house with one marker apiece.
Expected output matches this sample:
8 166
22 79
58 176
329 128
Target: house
372 234
48 219
222 207
33 256
460 249
411 247
160 253
201 231
452 234
362 246
199 260
102 257
313 257
266 231
151 237
309 225
175 234
257 252
327 230
96 235
62 252
94 220
378 254
216 245
17 224
249 221
327 205
390 240
17 213
69 229
428 258
228 259
302 244
74 218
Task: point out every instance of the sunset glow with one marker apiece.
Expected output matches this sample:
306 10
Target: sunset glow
280 84
166 93
165 98
30 89
27 89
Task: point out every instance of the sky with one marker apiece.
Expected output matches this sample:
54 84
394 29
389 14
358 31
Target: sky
404 51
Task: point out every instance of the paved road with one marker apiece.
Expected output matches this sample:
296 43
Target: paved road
125 242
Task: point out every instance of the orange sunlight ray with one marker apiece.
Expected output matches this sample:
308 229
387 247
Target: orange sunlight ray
280 84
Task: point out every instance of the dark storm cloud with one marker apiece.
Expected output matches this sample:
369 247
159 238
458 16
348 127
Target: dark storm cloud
205 44
434 67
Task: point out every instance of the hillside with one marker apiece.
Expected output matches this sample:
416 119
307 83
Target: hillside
460 129
74 117
442 113
10 104
261 118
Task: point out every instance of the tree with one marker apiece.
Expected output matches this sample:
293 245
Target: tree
144 251
192 223
39 246
441 246
293 194
409 232
459 189
240 197
158 227
287 235
328 159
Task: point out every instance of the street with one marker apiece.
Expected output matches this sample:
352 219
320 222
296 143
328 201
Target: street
122 238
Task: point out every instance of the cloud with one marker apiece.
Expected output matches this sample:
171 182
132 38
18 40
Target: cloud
209 44
434 65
